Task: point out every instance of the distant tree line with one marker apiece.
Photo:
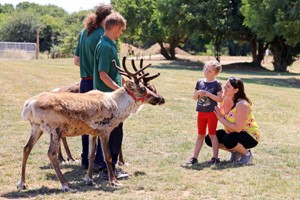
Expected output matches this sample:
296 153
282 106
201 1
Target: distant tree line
58 30
218 27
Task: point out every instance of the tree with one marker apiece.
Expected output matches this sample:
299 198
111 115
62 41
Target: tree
276 22
139 16
222 20
148 21
69 35
51 32
20 27
6 8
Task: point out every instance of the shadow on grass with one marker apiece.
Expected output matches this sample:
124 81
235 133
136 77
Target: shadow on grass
221 166
74 176
241 68
276 82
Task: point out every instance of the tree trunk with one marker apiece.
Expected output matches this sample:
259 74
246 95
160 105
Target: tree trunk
279 64
163 51
172 51
217 46
260 52
257 51
281 54
253 45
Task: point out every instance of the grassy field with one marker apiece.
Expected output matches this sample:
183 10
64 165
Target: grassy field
158 140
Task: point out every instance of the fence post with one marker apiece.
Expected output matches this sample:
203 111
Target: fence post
37 44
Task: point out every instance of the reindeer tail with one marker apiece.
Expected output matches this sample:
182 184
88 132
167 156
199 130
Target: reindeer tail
27 109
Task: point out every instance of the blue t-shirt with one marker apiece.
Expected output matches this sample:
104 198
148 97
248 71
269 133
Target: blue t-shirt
206 104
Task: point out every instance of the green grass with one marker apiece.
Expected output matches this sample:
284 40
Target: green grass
157 140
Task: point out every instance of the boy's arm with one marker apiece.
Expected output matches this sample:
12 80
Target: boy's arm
217 98
108 81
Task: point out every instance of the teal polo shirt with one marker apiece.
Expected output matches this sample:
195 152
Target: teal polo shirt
85 50
105 52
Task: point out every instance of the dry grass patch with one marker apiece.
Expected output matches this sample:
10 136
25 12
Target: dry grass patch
157 140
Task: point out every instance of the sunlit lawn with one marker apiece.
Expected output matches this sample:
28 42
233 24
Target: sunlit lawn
158 140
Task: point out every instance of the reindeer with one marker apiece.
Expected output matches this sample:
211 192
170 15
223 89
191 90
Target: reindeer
95 112
75 88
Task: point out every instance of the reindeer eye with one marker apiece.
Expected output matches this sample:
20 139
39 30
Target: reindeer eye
143 89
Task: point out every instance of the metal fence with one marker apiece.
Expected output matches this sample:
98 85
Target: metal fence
17 50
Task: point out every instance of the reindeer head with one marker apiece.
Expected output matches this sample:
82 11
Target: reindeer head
138 86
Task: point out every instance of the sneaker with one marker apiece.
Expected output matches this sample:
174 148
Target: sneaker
120 174
246 159
103 174
192 161
214 160
235 156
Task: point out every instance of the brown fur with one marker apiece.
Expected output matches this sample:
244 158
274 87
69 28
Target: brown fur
74 88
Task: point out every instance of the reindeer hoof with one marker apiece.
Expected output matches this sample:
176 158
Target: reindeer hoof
123 163
22 186
65 188
72 160
115 184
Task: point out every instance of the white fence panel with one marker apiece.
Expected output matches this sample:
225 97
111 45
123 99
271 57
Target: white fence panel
17 50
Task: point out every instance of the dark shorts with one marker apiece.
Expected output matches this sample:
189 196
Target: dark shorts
232 139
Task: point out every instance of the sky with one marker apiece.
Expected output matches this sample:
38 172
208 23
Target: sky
68 5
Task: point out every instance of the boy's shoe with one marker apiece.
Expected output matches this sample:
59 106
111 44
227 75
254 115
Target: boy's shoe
120 174
214 160
192 161
246 159
235 156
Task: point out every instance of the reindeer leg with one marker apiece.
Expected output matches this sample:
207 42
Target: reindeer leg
55 136
108 160
66 146
36 133
60 156
92 148
121 158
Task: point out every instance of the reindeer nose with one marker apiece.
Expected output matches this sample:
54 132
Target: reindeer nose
162 101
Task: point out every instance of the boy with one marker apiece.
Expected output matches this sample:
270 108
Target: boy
208 92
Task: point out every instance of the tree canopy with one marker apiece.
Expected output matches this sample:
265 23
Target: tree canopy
277 23
259 24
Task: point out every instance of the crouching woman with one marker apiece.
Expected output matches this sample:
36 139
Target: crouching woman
240 132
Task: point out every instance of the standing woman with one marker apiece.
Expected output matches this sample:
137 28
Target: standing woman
240 132
84 58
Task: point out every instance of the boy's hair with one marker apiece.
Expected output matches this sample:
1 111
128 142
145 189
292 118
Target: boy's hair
215 64
114 19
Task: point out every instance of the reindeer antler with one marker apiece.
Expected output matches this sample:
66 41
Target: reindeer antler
127 73
145 79
120 70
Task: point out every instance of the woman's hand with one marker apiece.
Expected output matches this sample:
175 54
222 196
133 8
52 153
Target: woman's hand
218 112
